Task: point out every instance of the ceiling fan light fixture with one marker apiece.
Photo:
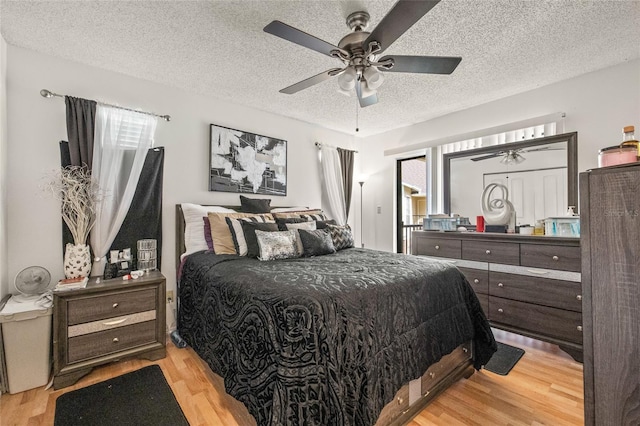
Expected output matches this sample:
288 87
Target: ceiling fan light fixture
347 80
367 90
373 77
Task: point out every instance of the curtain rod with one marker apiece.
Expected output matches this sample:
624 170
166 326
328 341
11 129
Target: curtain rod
319 145
49 94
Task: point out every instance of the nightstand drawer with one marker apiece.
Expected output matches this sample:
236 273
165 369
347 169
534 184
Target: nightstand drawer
550 257
110 305
486 251
105 342
552 322
438 247
478 278
541 291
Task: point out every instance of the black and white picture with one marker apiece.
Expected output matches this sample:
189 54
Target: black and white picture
247 163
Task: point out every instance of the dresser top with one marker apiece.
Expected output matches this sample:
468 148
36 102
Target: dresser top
113 284
498 237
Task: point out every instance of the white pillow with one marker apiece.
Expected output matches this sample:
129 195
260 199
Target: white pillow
307 226
288 209
194 225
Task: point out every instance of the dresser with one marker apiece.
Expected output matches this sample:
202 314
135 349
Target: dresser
106 322
530 285
610 231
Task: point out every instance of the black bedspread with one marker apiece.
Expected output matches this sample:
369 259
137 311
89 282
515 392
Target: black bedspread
326 340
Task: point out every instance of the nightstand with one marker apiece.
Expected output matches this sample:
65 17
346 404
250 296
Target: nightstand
107 322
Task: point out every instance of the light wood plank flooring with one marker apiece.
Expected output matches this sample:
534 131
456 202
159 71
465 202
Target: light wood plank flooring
544 388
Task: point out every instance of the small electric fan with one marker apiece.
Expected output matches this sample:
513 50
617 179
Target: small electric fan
32 282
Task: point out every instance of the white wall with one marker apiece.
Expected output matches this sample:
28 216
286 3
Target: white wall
38 124
597 105
4 277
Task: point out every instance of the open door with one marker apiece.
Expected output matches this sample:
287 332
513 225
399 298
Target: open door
411 199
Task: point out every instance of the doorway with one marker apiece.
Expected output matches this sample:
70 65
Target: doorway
411 199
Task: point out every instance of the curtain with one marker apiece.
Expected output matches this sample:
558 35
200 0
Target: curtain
332 184
122 141
346 166
144 218
81 115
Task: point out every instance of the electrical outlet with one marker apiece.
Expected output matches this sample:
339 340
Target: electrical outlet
379 209
170 296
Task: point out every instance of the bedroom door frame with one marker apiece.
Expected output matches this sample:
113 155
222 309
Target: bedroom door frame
399 198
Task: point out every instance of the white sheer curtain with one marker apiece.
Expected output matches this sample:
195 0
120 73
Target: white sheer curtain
332 186
122 139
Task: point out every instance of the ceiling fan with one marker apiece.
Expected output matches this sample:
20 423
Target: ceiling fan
513 156
359 51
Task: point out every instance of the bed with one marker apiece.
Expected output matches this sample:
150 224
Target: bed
358 337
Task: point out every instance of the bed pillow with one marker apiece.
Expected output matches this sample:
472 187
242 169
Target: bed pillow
296 213
249 230
255 205
283 221
237 234
194 239
288 209
220 233
322 224
277 245
341 236
207 232
307 226
313 216
316 243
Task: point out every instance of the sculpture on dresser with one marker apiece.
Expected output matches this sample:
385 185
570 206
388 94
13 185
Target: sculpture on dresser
496 211
78 194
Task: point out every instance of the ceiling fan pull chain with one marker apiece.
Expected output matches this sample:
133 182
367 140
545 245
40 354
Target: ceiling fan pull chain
357 110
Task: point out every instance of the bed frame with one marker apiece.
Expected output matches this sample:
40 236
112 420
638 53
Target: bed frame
414 396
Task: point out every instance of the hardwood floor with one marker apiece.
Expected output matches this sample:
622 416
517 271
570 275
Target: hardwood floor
544 388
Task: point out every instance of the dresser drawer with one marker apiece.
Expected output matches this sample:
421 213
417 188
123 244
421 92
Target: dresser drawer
496 252
110 305
438 247
106 342
478 278
484 303
541 291
550 257
551 322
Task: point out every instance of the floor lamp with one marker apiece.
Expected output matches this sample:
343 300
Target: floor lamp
361 242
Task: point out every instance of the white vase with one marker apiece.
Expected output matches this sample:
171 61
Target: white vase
77 260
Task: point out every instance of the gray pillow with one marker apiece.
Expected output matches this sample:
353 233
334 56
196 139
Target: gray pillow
307 226
255 205
249 230
316 243
341 236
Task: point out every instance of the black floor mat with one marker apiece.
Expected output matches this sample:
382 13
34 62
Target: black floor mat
504 359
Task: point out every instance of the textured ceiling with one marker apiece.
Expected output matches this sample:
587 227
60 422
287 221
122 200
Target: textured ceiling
218 49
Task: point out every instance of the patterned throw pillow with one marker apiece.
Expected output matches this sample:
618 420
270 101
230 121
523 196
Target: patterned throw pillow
341 236
316 243
307 226
249 230
277 245
237 233
315 216
296 213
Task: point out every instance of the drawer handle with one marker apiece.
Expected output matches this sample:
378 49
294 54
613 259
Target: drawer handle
432 374
488 251
465 350
437 247
115 305
116 340
500 310
555 258
537 271
400 400
500 285
579 297
579 328
116 322
476 281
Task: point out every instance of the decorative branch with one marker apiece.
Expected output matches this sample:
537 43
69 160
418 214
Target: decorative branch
78 194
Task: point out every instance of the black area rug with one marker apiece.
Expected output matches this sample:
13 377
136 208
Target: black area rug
142 397
504 359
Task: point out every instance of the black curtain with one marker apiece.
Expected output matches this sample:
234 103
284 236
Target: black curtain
346 166
81 118
144 218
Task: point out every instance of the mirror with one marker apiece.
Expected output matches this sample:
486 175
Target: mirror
541 175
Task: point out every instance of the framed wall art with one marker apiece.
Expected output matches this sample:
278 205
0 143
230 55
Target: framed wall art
244 162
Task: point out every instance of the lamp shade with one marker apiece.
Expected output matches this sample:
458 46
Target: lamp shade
374 77
347 80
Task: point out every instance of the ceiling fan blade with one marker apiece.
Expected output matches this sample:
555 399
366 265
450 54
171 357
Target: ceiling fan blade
423 64
369 100
301 38
486 157
304 84
545 148
399 19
